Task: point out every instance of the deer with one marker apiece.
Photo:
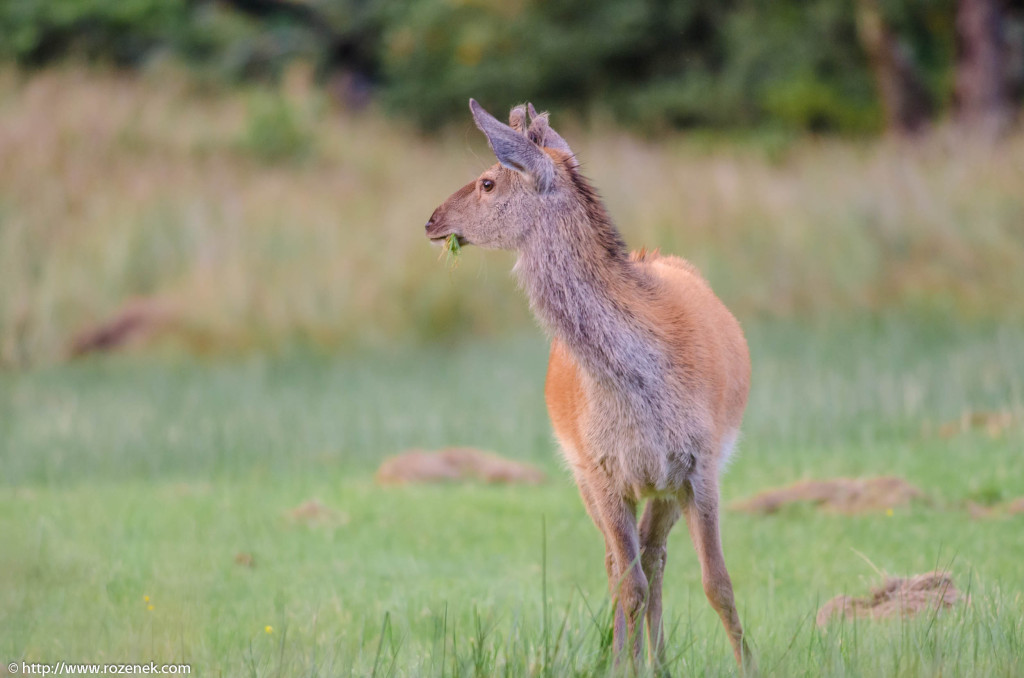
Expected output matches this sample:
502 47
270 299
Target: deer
648 374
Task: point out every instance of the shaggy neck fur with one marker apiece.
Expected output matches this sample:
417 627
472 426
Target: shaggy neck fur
581 283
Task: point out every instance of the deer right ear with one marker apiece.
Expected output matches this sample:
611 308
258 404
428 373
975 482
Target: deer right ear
546 136
514 150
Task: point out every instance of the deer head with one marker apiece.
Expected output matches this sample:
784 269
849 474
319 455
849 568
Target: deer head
501 207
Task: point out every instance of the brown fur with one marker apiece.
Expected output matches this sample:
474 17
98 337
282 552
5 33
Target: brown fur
648 373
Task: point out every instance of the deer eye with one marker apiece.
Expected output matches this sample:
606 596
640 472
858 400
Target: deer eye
487 185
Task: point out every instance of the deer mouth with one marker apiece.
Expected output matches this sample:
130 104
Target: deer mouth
441 239
438 232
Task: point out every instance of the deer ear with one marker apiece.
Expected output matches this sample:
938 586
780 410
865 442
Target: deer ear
517 119
545 135
514 150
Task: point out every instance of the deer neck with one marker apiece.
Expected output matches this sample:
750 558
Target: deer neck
584 289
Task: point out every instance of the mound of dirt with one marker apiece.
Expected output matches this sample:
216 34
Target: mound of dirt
455 464
312 512
136 321
842 495
1008 508
897 596
245 559
995 423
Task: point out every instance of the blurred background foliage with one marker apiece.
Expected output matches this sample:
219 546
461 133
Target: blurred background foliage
653 64
255 173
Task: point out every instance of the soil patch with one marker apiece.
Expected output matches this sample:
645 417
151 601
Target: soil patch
1006 508
312 512
842 495
995 423
245 559
134 323
456 464
896 597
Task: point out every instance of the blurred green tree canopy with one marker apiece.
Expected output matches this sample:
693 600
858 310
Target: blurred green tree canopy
650 63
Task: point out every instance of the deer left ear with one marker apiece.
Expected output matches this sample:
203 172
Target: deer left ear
514 150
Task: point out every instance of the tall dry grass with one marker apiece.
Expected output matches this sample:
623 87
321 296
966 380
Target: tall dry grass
265 216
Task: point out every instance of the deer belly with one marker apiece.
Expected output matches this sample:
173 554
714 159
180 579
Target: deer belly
636 456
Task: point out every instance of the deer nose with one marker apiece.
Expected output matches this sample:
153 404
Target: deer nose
431 221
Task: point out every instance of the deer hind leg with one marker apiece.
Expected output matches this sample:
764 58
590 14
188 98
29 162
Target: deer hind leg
701 510
657 521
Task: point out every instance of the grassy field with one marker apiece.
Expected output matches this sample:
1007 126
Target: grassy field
310 331
130 487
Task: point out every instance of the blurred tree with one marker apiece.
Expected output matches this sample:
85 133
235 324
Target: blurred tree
906 101
651 63
982 97
37 31
347 34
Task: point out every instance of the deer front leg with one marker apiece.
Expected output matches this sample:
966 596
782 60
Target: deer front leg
657 521
627 580
590 504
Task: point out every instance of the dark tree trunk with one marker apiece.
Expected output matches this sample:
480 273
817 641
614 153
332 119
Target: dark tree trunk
905 99
350 65
982 95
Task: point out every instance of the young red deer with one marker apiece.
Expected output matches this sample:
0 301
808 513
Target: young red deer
648 374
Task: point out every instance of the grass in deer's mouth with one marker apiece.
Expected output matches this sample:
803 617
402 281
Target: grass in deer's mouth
450 251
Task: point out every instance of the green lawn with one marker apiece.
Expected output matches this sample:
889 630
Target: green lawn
128 477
